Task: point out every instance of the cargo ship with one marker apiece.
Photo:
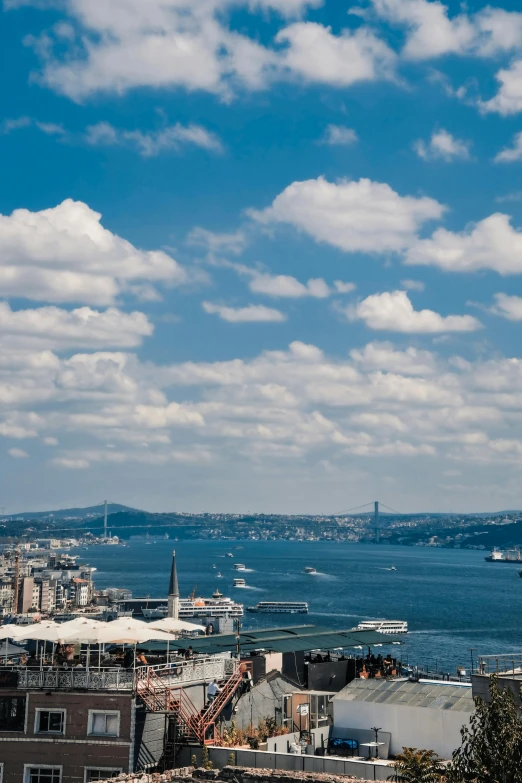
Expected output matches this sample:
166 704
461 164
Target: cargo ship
504 556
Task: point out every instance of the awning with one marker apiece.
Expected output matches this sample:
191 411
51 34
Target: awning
293 639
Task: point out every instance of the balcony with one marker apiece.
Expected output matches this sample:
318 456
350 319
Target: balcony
177 672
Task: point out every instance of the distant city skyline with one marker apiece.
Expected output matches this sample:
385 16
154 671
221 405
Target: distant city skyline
261 256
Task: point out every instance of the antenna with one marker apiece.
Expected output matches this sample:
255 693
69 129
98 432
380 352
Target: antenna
105 521
377 528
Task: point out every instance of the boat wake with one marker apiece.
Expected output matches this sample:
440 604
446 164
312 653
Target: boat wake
249 587
322 575
338 614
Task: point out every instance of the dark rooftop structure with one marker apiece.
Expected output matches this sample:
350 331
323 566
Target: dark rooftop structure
297 638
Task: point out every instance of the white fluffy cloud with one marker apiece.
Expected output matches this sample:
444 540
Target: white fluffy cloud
384 357
317 55
431 32
339 136
248 314
509 307
491 243
287 286
442 146
152 143
64 254
511 154
297 405
57 329
508 99
394 312
352 215
179 43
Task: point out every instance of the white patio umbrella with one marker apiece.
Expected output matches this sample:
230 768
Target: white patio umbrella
170 625
117 635
11 630
45 631
128 622
120 634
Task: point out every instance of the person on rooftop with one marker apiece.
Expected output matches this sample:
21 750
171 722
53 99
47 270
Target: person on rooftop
212 691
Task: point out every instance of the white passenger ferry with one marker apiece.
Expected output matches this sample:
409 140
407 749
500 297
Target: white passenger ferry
217 606
239 566
384 626
280 607
239 583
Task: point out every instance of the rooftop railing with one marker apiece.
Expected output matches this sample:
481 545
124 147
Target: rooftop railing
510 663
182 672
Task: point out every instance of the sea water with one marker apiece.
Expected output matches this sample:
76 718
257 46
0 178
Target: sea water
456 604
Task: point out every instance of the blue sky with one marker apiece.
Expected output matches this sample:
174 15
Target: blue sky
261 255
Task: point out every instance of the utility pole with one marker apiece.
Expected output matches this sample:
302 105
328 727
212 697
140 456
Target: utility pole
377 523
238 638
16 585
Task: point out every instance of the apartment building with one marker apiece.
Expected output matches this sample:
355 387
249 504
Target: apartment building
57 736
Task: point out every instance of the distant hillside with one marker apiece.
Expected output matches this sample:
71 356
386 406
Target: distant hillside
70 513
488 536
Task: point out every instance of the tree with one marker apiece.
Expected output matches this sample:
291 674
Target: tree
418 766
491 750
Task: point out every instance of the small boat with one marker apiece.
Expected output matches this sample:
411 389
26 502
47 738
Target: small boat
310 570
393 568
239 583
218 575
239 566
229 554
213 565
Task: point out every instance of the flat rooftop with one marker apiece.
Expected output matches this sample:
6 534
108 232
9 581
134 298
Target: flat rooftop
432 694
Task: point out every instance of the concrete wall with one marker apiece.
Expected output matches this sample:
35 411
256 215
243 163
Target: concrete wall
282 744
417 727
220 757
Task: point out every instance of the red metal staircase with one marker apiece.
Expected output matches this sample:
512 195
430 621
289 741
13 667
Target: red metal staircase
193 724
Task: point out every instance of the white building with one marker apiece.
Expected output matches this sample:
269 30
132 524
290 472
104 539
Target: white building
426 714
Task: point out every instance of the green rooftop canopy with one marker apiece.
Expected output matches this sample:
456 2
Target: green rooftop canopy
297 638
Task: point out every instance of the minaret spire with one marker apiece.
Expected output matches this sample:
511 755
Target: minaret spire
173 600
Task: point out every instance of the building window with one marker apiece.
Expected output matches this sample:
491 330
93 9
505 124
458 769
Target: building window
50 722
103 773
42 774
12 713
104 723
